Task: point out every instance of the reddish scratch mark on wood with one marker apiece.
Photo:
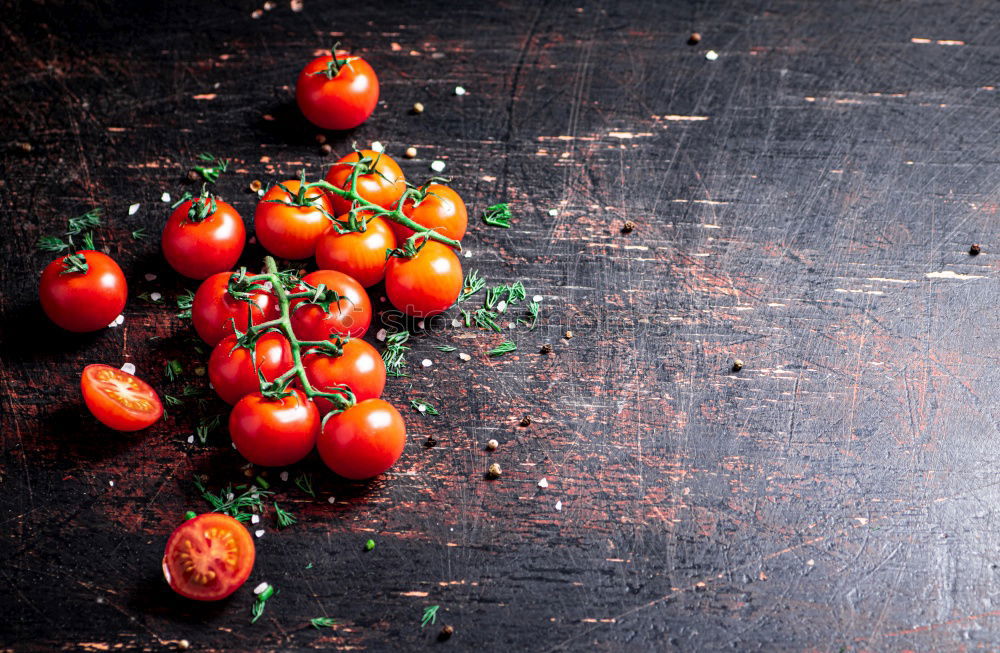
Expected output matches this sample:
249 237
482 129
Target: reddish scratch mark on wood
205 96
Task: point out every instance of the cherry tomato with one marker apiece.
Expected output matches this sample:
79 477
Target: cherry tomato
291 231
441 209
200 247
213 307
83 301
274 432
208 557
364 440
349 317
341 96
231 369
118 399
381 181
360 254
426 284
360 367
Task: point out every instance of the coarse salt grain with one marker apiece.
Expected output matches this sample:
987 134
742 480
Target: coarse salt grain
132 210
465 356
426 362
111 483
128 368
230 496
422 408
711 55
420 324
259 532
149 276
537 298
468 254
120 319
511 325
559 505
260 588
437 165
459 90
332 500
377 146
380 336
190 439
155 296
283 476
254 519
165 197
501 306
456 322
553 212
543 483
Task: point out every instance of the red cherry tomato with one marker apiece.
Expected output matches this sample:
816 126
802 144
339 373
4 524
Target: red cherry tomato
231 369
213 307
208 557
360 367
426 284
337 99
381 180
350 317
291 231
118 399
364 440
274 432
441 209
83 301
199 248
359 254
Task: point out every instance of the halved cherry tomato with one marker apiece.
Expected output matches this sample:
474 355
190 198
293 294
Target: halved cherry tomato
381 180
274 432
213 307
340 99
231 369
364 440
350 317
360 254
83 301
360 367
426 284
208 557
441 209
289 230
118 399
199 248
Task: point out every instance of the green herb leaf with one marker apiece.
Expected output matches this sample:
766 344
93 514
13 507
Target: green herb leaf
285 518
424 407
445 348
170 400
304 482
147 298
498 215
430 615
369 545
486 319
211 173
52 244
473 284
239 506
139 233
258 606
533 309
394 354
502 348
322 622
173 370
184 302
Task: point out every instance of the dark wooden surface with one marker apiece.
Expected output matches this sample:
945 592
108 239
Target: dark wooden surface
805 203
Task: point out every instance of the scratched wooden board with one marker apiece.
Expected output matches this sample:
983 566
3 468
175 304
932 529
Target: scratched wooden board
804 202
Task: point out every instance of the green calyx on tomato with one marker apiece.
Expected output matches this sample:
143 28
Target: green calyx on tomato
333 67
201 207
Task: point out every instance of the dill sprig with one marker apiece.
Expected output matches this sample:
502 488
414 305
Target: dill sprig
322 622
171 400
207 425
82 224
498 215
239 506
211 172
502 348
147 298
184 302
424 407
394 354
473 284
305 483
258 606
430 615
486 319
533 309
173 369
285 518
139 233
445 348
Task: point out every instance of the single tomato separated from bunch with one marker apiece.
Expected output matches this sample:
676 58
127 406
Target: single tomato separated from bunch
337 91
274 432
441 209
208 557
290 218
380 179
426 284
118 399
213 308
203 236
233 371
351 316
359 254
84 291
360 367
364 440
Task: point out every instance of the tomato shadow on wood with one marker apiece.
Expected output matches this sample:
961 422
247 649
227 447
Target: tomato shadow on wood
151 595
77 435
26 333
286 125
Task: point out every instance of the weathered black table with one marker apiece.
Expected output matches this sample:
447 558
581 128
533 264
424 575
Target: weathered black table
805 185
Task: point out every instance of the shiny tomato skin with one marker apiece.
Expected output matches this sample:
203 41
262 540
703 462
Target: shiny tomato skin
383 186
81 302
208 557
118 399
350 318
231 369
360 367
359 254
442 209
343 102
274 432
426 284
364 440
199 249
213 307
291 231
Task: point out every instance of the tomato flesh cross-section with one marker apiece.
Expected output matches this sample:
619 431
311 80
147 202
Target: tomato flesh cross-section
118 399
208 557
